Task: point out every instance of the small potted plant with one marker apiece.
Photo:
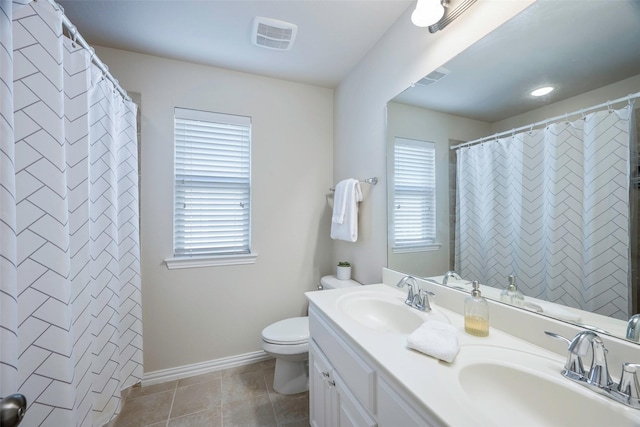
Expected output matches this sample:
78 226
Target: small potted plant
343 272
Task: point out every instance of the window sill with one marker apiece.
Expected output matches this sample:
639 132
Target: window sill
210 261
427 248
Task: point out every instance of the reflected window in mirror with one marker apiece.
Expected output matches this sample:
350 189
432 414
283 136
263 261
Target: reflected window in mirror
414 199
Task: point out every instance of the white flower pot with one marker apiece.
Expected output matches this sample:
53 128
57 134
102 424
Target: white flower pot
343 273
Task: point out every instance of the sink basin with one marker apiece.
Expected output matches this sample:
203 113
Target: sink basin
384 313
519 388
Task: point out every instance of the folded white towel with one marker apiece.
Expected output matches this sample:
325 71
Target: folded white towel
344 221
436 339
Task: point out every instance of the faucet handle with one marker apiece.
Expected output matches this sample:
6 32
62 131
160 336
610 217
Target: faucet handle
421 300
629 384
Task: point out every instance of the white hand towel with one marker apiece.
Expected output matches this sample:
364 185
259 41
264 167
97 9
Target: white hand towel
340 201
344 221
436 339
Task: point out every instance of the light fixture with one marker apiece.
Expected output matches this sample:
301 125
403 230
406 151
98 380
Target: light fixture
427 13
542 91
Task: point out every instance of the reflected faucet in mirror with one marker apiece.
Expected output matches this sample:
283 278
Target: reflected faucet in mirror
633 328
448 275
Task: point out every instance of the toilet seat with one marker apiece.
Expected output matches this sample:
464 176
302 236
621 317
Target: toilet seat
290 331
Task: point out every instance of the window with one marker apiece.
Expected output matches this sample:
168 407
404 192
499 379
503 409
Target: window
414 199
212 203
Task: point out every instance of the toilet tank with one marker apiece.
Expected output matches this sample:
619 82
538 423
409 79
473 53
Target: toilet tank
332 282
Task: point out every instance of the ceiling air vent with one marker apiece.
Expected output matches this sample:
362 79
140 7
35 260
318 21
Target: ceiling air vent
433 76
273 34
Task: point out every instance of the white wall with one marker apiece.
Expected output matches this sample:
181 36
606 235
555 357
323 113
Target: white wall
426 125
202 314
404 55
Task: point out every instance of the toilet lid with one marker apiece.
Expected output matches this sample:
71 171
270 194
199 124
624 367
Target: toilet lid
288 331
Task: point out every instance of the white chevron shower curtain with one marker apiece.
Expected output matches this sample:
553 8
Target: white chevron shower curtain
70 313
551 207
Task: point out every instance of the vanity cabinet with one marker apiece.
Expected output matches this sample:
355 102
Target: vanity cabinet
331 403
346 389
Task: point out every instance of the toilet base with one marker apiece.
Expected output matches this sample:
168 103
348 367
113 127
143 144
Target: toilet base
291 377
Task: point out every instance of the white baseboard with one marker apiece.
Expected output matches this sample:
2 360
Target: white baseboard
186 371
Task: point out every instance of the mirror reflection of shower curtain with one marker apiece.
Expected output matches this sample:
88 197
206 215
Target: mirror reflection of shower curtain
550 206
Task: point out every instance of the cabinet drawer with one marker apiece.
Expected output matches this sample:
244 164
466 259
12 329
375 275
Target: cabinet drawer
358 375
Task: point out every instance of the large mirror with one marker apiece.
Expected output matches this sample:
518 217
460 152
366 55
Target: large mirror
588 51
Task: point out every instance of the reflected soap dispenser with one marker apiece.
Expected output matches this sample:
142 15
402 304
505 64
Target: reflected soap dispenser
476 313
511 294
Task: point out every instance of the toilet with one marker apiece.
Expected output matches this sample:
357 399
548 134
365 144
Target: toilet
288 342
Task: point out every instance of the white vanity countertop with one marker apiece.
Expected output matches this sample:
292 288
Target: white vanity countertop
433 383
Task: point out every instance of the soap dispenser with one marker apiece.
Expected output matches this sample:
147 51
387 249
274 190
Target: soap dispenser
476 313
511 294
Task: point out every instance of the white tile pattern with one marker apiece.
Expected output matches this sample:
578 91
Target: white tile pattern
550 206
73 305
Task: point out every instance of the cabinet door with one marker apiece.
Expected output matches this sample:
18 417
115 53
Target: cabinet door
349 411
396 410
322 395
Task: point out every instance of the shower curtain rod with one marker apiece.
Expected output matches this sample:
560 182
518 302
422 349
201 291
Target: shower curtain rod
77 38
607 104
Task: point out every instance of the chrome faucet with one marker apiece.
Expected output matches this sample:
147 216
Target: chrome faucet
633 328
599 371
449 274
597 378
418 300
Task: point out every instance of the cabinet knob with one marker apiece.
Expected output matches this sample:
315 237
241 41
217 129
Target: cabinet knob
331 383
325 374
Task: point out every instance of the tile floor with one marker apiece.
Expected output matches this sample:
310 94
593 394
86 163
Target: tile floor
236 397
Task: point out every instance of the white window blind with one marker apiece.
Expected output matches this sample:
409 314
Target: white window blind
414 200
212 209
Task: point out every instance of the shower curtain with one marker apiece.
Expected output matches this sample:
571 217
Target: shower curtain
70 313
550 206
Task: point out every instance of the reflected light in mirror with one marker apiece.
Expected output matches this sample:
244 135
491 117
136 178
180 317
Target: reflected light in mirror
427 13
542 91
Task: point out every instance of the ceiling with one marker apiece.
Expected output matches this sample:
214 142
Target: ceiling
576 46
333 35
